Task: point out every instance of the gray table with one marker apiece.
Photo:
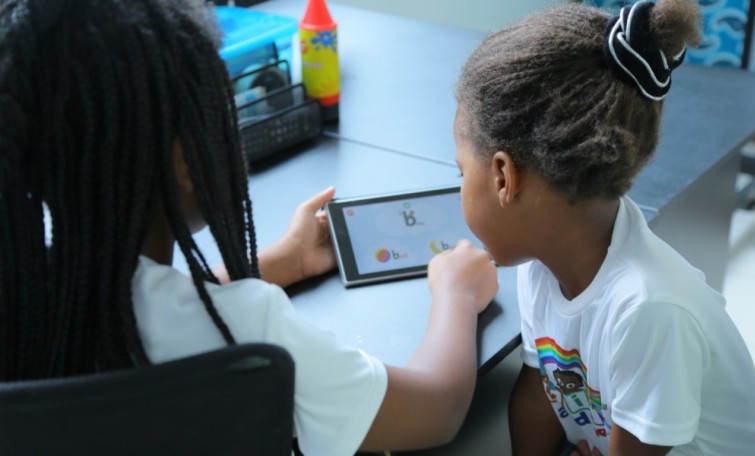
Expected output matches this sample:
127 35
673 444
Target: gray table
386 320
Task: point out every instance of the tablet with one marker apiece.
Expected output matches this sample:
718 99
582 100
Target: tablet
389 237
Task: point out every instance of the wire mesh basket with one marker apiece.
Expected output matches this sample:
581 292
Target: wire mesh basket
274 115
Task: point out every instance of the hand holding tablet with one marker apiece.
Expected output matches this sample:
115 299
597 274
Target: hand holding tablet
388 237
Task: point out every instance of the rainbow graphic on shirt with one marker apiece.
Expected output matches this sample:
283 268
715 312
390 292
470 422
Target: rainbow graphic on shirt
565 383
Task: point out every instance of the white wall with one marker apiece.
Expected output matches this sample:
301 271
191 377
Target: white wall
483 15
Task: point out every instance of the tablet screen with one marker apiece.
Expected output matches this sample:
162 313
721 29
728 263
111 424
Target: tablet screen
392 236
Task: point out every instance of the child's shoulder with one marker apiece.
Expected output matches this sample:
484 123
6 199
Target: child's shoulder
165 285
643 261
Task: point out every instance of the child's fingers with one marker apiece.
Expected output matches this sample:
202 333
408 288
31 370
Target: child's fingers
464 243
318 201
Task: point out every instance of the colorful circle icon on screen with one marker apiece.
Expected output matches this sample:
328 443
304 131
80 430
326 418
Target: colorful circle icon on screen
438 247
382 255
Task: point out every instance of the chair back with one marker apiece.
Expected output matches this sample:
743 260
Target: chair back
234 401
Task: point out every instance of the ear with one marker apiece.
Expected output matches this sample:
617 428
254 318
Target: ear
506 177
183 177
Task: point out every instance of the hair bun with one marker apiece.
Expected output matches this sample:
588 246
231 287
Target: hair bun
633 55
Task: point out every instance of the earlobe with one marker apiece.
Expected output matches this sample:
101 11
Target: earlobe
506 177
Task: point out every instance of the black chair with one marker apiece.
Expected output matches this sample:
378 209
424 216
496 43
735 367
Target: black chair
234 401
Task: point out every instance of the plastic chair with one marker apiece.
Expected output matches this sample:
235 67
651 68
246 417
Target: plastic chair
234 401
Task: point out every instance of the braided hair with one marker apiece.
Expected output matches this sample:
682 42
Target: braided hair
546 91
93 95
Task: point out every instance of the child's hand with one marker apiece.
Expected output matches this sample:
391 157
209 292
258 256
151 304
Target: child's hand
308 237
464 271
305 249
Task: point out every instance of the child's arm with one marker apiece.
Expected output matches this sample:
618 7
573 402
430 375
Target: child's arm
303 251
535 429
622 442
426 402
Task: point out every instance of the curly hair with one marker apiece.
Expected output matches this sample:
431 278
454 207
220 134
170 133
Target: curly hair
542 91
93 95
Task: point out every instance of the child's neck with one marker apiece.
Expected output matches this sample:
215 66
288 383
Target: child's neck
159 241
578 243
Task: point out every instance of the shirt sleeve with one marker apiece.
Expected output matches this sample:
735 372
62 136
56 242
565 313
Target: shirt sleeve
659 359
338 388
525 298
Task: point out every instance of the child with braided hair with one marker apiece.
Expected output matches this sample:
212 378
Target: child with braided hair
626 349
117 120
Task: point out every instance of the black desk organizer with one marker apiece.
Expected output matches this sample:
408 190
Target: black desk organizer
281 118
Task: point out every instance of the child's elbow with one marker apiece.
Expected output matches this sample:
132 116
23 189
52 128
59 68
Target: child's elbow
448 424
450 432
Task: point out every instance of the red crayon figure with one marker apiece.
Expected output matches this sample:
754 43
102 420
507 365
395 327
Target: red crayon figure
319 57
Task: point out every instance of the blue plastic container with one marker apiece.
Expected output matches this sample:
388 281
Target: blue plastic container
252 38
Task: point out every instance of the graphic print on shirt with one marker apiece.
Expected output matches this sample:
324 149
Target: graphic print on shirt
564 380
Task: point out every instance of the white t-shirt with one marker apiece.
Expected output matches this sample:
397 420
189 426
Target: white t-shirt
647 346
338 389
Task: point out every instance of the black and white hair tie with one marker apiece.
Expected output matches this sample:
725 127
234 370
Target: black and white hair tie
631 52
